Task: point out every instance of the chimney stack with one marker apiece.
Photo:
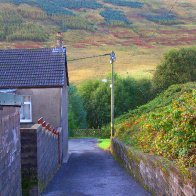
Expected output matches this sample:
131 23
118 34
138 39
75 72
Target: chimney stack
59 40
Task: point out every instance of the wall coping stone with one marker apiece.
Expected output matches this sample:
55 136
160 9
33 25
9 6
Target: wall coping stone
8 99
157 174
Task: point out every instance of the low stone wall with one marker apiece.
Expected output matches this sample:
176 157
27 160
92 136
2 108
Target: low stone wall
10 160
157 175
40 158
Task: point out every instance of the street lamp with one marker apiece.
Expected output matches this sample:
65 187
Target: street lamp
112 59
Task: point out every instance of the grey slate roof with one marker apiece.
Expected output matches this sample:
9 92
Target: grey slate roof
28 68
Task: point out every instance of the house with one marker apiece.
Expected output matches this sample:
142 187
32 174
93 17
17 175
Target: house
41 77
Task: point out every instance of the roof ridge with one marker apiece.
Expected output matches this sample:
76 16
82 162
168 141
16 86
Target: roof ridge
28 49
33 67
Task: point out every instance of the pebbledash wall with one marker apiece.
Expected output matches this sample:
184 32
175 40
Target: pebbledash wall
10 146
40 154
157 175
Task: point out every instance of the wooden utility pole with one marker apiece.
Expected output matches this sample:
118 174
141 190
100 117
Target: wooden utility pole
112 59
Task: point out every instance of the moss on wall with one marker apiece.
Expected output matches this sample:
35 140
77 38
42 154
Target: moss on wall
156 174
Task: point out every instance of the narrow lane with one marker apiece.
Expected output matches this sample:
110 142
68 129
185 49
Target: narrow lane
92 172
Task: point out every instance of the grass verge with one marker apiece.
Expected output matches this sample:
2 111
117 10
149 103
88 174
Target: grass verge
104 143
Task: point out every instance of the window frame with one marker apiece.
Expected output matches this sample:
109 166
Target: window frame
30 104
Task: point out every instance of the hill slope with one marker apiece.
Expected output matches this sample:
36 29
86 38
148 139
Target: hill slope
138 31
165 126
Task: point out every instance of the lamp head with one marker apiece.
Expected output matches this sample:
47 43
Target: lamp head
112 57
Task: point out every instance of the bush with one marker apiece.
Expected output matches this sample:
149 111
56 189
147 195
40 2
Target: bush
178 66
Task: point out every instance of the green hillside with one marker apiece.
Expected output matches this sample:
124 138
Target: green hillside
138 31
15 16
166 126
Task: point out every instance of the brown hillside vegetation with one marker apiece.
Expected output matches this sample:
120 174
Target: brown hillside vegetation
139 43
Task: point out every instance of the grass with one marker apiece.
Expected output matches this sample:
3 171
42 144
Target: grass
28 181
104 143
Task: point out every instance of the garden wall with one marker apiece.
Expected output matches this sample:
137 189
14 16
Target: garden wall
41 155
157 175
10 148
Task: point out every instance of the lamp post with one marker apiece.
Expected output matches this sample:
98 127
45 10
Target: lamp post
112 59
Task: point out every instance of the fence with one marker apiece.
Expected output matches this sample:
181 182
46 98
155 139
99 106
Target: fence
97 133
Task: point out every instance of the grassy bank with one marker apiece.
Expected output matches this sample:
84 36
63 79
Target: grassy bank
165 126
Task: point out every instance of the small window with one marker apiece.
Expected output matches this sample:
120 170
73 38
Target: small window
26 110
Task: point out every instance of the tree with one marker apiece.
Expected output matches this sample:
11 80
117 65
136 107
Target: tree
178 66
96 98
129 93
77 114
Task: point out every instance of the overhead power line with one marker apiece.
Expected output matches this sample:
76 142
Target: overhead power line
90 57
172 6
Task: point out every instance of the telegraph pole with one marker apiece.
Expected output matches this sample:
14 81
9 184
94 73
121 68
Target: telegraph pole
112 59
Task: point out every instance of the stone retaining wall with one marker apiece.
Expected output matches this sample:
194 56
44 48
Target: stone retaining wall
157 175
39 152
10 160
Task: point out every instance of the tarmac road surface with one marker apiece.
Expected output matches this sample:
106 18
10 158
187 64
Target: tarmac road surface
91 171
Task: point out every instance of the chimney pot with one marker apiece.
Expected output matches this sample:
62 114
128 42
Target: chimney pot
59 40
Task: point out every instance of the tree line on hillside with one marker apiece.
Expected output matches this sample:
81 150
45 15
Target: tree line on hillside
163 19
90 103
59 7
132 4
23 23
111 16
73 22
